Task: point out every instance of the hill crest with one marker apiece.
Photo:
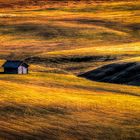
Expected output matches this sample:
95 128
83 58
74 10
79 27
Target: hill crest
24 3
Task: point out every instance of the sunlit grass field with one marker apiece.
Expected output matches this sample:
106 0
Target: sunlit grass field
62 106
60 42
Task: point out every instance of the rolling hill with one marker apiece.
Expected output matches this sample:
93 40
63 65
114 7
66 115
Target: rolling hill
98 40
52 3
121 73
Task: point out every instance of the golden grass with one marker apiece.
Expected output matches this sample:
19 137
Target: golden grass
66 107
127 48
51 103
63 28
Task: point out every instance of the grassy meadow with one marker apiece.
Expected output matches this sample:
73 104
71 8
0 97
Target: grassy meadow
61 41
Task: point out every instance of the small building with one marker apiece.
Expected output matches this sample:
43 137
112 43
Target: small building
15 67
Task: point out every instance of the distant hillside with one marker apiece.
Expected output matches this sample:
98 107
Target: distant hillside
21 3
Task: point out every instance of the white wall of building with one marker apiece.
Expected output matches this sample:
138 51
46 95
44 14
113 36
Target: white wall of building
22 70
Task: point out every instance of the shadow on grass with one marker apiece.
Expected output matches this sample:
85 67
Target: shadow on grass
47 31
37 134
119 73
70 59
44 31
128 28
77 129
26 110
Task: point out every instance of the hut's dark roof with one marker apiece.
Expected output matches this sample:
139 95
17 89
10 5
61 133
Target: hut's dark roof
14 64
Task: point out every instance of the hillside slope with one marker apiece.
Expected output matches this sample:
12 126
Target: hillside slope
43 3
121 73
60 42
53 106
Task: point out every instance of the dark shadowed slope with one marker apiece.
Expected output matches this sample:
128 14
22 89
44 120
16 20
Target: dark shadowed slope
120 73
